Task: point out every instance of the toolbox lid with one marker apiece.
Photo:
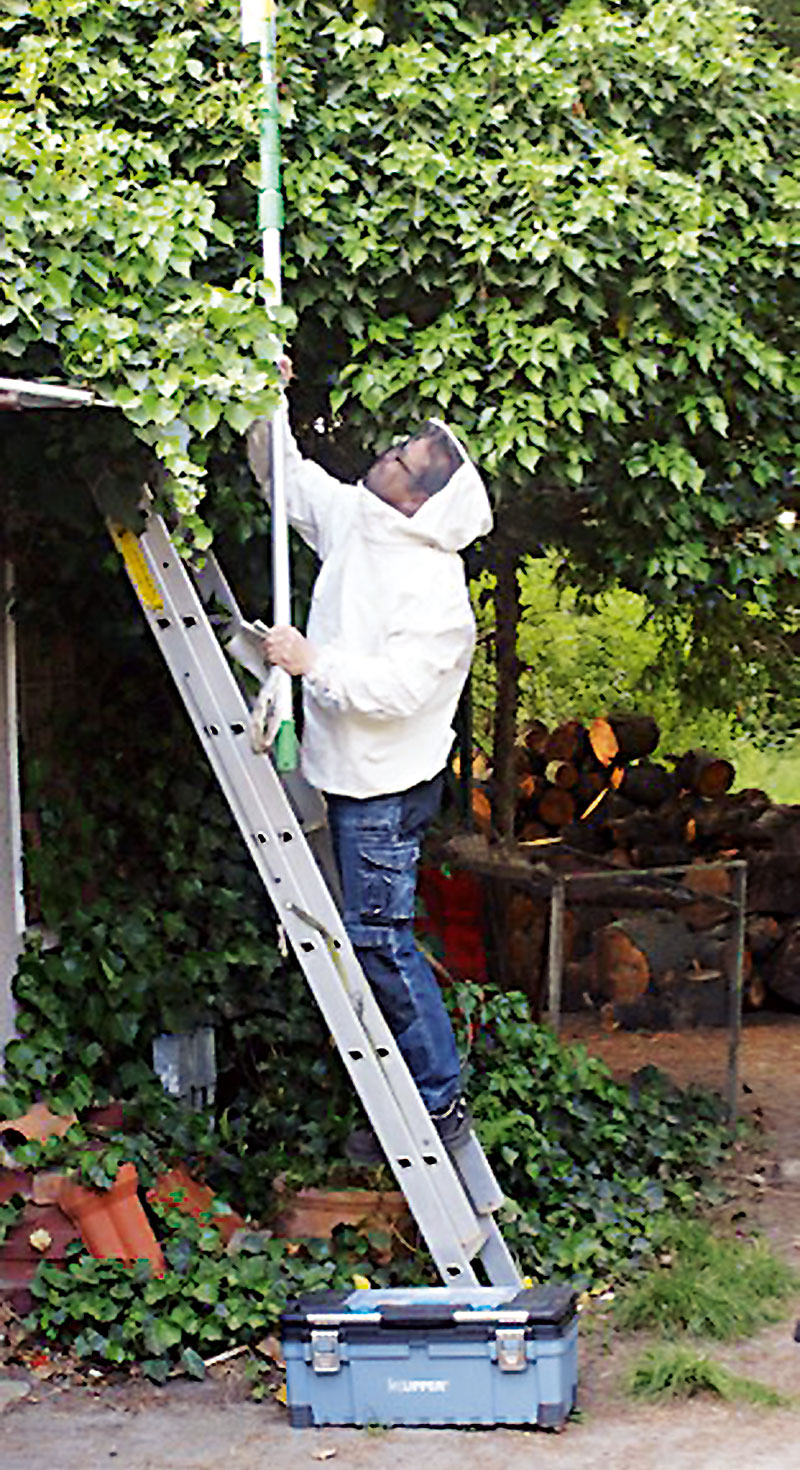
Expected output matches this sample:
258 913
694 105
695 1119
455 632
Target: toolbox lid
544 1309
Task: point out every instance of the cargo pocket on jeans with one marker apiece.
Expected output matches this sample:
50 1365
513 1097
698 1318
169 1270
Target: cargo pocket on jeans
388 882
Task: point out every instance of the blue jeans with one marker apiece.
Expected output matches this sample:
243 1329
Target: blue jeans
376 843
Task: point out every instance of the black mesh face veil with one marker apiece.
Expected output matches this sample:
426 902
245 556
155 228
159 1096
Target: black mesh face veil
445 456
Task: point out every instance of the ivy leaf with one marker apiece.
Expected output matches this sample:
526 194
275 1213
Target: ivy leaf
156 1369
239 416
203 415
192 1363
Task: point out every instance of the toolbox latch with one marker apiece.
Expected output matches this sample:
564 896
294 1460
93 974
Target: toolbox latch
325 1353
511 1356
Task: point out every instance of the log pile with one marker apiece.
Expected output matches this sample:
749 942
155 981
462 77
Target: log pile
656 953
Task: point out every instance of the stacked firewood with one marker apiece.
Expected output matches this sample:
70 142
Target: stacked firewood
658 951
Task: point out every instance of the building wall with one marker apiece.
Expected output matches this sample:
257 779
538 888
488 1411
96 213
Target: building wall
12 914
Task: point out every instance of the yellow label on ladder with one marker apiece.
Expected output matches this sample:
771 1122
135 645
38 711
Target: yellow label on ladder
127 545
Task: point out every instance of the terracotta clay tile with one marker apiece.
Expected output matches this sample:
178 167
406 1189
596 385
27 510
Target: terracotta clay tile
179 1189
19 1259
39 1123
16 1181
17 1244
112 1221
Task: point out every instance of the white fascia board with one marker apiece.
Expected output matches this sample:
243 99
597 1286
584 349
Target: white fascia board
20 393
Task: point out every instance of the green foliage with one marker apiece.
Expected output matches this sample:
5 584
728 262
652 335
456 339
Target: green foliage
731 688
781 22
772 768
158 912
574 241
587 1164
128 131
579 659
135 866
569 232
708 1286
208 1300
673 1371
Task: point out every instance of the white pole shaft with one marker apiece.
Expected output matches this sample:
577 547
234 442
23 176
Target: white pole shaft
281 576
281 580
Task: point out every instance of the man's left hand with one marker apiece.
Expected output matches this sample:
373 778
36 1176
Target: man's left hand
287 648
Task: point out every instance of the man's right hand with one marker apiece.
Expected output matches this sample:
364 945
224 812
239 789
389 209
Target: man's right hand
287 648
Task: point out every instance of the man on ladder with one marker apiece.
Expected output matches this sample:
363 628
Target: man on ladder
388 648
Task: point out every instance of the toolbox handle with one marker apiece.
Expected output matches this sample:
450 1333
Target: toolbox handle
415 1314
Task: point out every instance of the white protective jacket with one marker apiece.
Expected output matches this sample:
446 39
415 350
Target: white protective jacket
390 620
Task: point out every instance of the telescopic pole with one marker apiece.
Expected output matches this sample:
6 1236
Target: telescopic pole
259 27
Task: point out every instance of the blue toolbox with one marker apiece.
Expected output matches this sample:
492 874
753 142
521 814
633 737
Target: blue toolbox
444 1355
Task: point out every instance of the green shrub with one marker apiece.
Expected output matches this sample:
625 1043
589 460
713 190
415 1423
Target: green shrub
208 1300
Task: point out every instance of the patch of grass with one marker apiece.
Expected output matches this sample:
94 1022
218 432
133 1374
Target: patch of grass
673 1371
774 769
707 1286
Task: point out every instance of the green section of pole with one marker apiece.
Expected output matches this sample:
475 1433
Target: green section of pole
286 748
270 200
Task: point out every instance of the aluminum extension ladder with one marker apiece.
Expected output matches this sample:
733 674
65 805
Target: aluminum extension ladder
452 1197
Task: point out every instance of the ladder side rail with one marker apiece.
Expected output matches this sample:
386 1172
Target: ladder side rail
368 1047
497 1260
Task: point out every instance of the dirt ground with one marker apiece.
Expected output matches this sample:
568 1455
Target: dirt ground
202 1426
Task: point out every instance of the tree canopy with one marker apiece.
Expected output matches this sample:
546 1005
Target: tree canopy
571 237
575 242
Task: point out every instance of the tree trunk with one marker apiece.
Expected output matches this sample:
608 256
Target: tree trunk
556 807
570 742
709 883
507 613
728 821
773 883
464 742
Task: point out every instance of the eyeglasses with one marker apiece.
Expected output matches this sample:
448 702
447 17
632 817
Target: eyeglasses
396 453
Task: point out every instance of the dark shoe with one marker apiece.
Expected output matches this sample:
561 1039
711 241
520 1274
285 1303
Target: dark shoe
362 1147
453 1124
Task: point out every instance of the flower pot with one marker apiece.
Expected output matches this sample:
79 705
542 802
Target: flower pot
315 1213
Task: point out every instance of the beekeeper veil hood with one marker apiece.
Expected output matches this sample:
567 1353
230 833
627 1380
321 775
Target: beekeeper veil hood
456 508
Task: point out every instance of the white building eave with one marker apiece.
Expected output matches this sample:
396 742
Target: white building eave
17 393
